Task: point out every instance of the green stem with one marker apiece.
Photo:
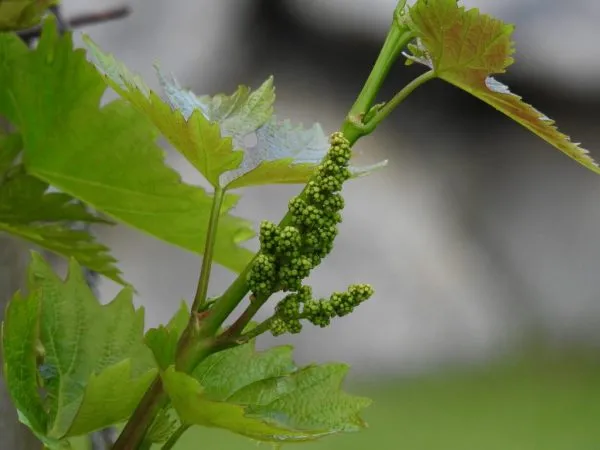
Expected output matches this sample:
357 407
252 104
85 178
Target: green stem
386 110
209 247
237 328
133 434
397 38
175 437
261 328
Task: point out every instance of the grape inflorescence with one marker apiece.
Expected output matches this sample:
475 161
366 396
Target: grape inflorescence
288 253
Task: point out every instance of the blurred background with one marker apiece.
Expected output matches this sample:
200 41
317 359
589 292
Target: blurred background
479 238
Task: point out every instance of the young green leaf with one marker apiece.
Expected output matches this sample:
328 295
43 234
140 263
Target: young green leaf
95 366
19 352
270 400
20 14
301 406
163 340
191 133
194 408
309 399
106 156
464 48
220 374
110 397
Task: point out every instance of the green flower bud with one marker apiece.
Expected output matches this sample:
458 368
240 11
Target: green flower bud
288 307
290 240
308 217
294 326
314 193
332 204
261 277
342 303
318 312
330 183
278 326
304 294
361 292
268 236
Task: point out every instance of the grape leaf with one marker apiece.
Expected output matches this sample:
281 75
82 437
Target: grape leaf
464 48
238 114
12 50
19 338
107 157
28 211
163 340
70 243
24 199
20 14
95 366
269 400
301 406
283 153
189 131
10 147
220 374
194 408
110 398
309 399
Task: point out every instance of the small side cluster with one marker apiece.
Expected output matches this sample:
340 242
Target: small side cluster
288 253
301 305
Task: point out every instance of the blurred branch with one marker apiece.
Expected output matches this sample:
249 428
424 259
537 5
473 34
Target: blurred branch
78 21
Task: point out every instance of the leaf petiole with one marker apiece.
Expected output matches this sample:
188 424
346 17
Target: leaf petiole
209 247
400 96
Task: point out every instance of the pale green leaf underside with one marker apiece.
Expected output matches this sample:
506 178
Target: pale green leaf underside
107 157
93 353
282 171
465 48
238 114
193 135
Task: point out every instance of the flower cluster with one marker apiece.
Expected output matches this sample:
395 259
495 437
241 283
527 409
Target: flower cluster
301 305
288 252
